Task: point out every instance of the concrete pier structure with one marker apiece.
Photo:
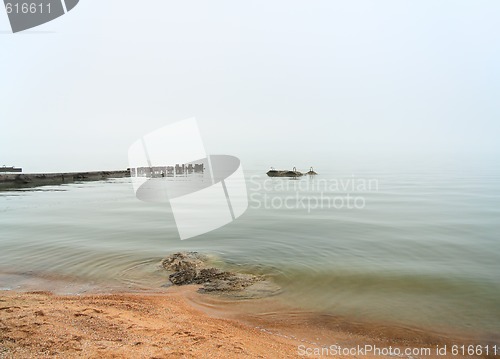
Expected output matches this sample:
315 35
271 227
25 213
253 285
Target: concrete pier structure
12 181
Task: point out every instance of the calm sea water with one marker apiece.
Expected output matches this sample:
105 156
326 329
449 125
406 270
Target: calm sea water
422 247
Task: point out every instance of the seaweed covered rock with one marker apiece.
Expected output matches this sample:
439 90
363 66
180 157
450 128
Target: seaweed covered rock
183 277
192 268
184 260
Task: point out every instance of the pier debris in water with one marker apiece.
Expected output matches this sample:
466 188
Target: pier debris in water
284 173
311 172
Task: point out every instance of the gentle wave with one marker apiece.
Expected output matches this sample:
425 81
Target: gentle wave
423 251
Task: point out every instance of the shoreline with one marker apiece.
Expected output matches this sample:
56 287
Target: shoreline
30 180
181 322
108 320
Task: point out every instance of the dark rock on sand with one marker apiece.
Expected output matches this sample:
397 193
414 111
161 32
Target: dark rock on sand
192 268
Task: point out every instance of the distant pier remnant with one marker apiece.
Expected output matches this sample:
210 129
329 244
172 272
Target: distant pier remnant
10 169
311 172
284 173
167 171
22 180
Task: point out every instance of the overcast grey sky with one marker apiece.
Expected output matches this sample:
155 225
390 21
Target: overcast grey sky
267 80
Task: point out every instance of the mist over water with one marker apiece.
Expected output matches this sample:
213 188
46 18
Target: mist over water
423 250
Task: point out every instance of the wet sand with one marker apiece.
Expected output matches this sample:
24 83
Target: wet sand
179 323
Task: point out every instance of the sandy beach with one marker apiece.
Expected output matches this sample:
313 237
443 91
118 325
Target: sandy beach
39 324
179 323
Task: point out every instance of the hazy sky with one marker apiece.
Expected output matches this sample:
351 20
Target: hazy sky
267 80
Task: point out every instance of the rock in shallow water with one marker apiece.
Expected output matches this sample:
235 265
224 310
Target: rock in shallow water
183 277
192 268
184 260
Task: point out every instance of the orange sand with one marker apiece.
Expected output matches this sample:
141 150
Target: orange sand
178 324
